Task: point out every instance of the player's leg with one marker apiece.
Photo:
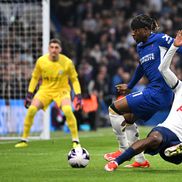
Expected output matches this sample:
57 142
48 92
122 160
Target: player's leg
132 136
171 147
32 110
140 107
116 111
128 108
40 100
151 143
71 121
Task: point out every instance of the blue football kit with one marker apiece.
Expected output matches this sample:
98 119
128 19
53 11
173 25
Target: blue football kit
157 95
171 129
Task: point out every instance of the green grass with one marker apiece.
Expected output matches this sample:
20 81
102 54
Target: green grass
46 161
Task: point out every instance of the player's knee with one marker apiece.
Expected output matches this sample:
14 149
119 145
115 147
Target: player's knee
67 110
155 141
32 110
113 110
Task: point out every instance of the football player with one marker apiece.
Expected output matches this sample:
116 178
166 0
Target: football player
144 104
165 138
55 70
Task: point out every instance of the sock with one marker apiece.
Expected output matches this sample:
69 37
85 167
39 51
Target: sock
71 121
32 110
116 121
132 136
126 155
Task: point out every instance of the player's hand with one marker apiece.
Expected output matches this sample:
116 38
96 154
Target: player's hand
178 39
28 100
122 89
78 102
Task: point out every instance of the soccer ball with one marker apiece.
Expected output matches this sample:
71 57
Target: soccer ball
78 157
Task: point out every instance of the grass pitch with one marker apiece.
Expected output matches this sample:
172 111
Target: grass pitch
46 161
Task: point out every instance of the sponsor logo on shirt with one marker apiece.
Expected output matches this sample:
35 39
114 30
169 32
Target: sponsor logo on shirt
147 57
52 79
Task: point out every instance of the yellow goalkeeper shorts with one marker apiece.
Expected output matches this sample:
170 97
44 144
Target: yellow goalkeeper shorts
46 97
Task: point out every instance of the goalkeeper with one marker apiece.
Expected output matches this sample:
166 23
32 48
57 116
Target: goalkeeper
55 70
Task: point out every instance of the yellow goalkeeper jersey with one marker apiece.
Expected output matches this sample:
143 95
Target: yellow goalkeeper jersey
55 74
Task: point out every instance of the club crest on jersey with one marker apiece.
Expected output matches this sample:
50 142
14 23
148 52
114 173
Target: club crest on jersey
147 57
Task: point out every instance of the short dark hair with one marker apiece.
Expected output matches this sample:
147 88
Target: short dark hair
57 41
142 21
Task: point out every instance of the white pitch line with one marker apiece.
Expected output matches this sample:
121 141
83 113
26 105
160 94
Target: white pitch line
57 138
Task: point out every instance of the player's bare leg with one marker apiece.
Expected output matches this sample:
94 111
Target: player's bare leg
153 141
126 134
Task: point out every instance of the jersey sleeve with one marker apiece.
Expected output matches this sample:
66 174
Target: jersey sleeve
74 78
165 70
136 77
35 77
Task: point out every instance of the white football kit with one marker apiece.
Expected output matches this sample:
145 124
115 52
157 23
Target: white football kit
174 120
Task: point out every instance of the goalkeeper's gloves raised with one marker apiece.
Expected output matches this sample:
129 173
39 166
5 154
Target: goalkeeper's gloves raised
78 102
28 100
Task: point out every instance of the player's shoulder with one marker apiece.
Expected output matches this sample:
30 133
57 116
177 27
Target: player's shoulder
42 58
65 58
160 35
155 37
163 37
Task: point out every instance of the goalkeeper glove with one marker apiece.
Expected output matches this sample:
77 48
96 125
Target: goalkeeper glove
28 100
78 102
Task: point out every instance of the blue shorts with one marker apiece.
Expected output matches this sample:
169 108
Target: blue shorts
168 139
146 103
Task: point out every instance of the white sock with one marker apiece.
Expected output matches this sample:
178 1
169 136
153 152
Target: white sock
132 136
116 121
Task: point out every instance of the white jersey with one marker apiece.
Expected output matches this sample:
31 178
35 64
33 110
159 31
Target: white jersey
174 119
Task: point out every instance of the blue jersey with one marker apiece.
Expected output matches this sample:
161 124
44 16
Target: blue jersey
150 54
157 95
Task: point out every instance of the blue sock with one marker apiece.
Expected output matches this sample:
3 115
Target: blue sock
126 155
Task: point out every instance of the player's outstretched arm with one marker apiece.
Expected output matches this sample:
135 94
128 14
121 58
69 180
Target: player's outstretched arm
164 67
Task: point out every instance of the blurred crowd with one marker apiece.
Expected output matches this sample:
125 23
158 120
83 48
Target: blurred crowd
96 35
21 45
